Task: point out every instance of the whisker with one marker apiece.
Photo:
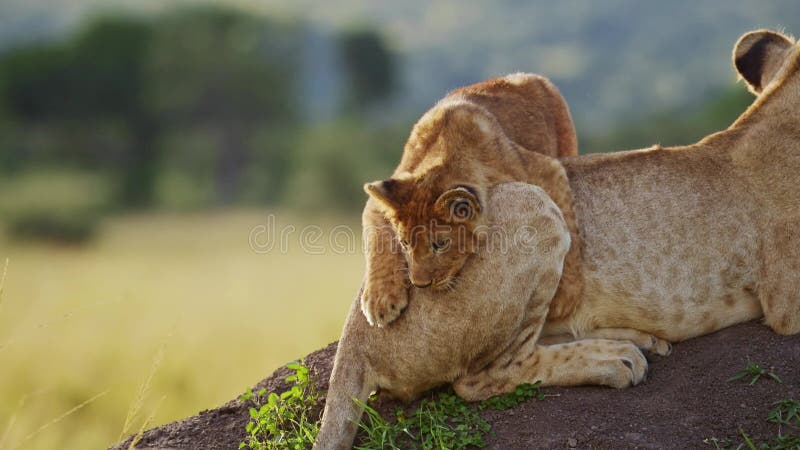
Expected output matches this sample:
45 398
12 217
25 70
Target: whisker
452 284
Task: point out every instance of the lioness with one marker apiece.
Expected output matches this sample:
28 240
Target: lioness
677 242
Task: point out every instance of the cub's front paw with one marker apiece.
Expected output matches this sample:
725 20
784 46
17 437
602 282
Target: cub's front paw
382 306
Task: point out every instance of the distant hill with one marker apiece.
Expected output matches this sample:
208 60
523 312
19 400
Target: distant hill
614 60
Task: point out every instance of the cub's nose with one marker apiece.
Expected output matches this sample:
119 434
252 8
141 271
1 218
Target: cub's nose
420 280
419 277
418 284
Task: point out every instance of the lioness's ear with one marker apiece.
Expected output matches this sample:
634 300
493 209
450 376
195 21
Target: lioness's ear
460 203
758 55
386 192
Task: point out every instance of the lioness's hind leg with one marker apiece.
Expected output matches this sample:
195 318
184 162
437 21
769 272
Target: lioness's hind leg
605 362
644 341
779 291
640 339
556 339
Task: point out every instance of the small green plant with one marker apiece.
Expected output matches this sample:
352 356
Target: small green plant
786 412
784 442
380 433
443 422
780 442
718 444
284 421
747 440
755 372
521 394
446 422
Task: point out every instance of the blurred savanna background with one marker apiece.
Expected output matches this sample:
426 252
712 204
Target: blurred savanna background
149 151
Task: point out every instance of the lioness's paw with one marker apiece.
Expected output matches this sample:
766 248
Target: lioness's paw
384 306
659 347
625 365
653 345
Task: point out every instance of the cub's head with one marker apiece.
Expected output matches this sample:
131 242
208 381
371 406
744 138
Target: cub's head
434 228
435 200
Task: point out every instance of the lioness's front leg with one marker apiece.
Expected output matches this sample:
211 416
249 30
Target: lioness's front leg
385 293
605 362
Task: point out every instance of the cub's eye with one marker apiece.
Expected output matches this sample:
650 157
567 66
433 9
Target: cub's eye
461 210
440 246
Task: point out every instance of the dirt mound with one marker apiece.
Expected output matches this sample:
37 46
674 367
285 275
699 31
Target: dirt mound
685 400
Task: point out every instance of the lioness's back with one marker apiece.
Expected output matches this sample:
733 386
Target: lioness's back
670 232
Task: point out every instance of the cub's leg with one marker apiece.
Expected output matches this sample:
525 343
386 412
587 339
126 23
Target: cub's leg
640 339
605 362
385 293
779 290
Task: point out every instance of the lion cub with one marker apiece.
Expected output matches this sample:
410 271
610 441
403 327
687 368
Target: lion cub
419 224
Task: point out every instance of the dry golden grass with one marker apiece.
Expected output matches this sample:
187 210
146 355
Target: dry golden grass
78 321
136 407
3 283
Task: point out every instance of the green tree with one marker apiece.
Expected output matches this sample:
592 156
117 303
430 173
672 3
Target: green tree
227 72
110 56
369 67
94 82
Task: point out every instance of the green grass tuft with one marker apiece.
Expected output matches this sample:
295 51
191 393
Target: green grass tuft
443 422
786 414
755 372
284 421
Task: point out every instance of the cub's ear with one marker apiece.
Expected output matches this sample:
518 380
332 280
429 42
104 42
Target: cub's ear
387 192
758 55
460 204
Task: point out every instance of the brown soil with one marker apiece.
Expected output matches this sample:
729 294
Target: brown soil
685 400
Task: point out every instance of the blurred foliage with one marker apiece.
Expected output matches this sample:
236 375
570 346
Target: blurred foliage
53 227
58 206
84 90
196 107
205 105
333 162
612 60
675 127
369 65
232 75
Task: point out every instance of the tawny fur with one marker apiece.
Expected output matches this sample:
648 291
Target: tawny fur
678 242
491 319
532 118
